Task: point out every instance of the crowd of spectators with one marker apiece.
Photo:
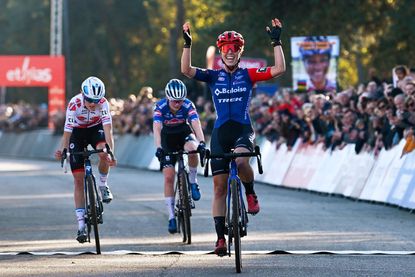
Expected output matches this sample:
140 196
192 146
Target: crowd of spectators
22 116
372 116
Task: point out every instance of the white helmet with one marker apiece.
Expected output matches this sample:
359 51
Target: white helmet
176 90
93 89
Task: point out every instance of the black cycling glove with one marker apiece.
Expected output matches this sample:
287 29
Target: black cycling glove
274 33
202 148
159 153
187 39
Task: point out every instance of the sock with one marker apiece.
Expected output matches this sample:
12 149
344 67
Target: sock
170 206
249 187
103 179
220 226
80 215
193 174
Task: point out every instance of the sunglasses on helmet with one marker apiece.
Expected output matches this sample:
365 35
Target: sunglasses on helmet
90 100
234 47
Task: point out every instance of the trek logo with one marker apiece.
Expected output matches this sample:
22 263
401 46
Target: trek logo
229 91
230 100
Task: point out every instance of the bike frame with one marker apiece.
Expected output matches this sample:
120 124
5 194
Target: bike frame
96 200
233 175
100 206
183 209
236 217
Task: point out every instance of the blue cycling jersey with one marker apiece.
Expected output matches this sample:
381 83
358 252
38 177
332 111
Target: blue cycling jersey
231 92
164 115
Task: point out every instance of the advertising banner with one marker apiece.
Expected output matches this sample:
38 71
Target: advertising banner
314 63
37 71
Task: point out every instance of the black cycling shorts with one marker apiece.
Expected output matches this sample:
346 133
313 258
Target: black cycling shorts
229 136
172 140
81 138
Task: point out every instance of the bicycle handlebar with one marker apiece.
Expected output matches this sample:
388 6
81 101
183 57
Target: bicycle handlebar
84 154
183 152
232 156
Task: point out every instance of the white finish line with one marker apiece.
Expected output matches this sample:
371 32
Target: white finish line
158 253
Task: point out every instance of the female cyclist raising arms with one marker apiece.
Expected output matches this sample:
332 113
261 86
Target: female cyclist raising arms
231 89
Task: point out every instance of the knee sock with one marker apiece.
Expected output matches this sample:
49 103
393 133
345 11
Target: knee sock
249 187
103 179
170 206
80 215
220 226
193 174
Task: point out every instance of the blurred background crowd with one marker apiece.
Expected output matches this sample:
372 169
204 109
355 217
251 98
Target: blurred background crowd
372 116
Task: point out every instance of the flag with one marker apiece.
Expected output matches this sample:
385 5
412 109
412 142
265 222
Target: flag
409 145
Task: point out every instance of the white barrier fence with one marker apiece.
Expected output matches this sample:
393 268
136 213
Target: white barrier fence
385 179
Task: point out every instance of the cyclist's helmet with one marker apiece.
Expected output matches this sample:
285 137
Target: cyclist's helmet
175 90
230 37
93 89
314 45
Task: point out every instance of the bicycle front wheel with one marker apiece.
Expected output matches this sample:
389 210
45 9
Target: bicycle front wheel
186 207
92 210
179 211
235 224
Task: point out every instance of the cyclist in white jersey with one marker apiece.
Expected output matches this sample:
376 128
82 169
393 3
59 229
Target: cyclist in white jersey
88 122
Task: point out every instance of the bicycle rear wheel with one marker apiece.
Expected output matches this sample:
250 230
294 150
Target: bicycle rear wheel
235 224
186 207
92 210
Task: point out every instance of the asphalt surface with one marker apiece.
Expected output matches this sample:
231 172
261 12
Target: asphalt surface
297 233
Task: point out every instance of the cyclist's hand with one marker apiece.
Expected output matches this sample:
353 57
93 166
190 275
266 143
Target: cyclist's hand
58 154
201 148
186 35
275 32
110 161
159 153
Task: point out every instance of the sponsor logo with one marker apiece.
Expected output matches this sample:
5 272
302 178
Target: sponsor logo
27 74
229 91
239 77
230 100
221 79
262 69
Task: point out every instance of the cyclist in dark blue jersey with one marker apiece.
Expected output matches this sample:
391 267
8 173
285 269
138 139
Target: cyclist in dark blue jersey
231 89
172 132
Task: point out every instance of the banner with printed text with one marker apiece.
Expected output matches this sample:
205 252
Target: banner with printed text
37 71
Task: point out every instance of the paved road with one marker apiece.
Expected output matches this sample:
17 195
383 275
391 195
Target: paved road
326 236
